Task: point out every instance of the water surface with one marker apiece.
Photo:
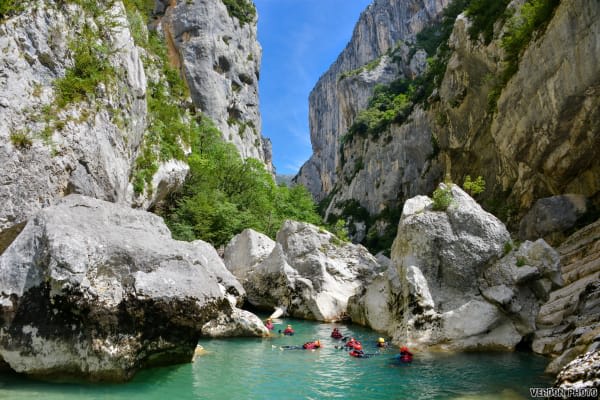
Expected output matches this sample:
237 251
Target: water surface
257 369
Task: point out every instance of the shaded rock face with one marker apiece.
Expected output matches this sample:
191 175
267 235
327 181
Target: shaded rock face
449 266
89 153
94 290
335 101
551 216
583 372
569 321
220 60
309 272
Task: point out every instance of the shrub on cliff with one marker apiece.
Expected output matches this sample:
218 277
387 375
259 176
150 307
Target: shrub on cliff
224 194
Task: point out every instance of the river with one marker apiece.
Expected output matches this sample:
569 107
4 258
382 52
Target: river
254 368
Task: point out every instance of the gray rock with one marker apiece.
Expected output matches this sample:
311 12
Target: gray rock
552 215
500 294
245 250
169 177
84 148
310 272
95 290
236 324
448 266
220 59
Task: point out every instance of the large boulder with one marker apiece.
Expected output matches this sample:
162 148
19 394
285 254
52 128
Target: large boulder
246 249
95 290
310 272
451 265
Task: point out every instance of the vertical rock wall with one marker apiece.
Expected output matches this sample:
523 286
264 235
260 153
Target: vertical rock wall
220 57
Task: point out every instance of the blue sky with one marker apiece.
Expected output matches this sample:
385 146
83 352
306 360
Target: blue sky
300 40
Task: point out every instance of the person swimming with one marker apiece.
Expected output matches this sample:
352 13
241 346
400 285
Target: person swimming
358 352
312 345
405 355
269 324
306 346
288 331
381 342
336 334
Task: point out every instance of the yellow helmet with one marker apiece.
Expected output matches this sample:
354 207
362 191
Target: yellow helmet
381 340
289 326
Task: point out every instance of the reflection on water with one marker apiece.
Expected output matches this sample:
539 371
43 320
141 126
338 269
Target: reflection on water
257 369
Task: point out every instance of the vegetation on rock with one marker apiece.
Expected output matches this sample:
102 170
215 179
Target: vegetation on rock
243 10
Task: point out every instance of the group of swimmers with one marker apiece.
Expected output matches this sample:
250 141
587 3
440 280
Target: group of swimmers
350 343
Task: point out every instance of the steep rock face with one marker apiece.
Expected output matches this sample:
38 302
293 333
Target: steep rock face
537 143
220 59
95 290
309 272
396 165
335 100
450 265
83 148
540 140
569 322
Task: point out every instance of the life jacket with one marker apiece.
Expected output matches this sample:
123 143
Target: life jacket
336 334
269 326
357 353
288 331
406 356
310 346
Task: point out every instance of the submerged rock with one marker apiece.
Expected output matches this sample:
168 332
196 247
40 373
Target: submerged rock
310 272
95 290
454 282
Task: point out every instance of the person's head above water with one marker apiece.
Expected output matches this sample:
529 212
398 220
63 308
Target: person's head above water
381 340
358 347
403 348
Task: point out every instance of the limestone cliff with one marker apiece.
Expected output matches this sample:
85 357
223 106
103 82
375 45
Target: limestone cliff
219 56
346 87
531 137
87 145
81 87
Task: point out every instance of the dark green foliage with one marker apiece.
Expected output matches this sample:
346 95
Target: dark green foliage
8 7
243 10
377 242
91 67
169 128
483 15
224 194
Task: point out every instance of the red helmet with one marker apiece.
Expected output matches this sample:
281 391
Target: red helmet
403 348
358 347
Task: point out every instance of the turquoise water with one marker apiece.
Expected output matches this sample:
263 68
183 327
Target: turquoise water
258 369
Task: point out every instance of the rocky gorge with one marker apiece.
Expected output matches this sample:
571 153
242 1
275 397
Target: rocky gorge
93 286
